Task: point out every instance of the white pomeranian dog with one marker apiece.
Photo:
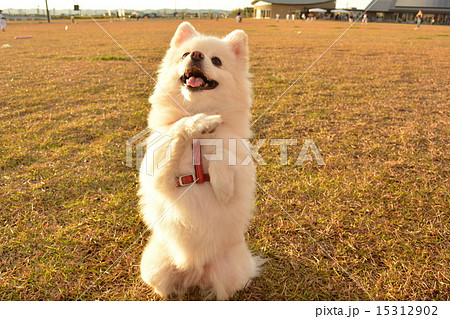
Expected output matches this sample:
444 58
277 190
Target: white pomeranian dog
199 213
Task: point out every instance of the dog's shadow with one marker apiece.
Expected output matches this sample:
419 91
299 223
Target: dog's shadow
285 277
191 294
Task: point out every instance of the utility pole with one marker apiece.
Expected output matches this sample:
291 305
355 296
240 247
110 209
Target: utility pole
48 13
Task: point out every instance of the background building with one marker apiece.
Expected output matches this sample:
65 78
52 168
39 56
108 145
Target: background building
435 11
269 9
406 10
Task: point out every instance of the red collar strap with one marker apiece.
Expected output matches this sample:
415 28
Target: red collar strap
200 176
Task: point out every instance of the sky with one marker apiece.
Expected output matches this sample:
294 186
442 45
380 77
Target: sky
127 4
360 4
151 4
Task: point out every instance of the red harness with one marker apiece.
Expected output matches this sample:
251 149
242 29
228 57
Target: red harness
200 177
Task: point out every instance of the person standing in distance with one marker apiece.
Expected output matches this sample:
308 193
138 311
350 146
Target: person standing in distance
2 21
419 17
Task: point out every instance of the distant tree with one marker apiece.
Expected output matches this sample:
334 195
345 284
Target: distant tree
248 12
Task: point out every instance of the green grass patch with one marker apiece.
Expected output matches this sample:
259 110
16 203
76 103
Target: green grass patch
316 114
109 57
68 57
419 38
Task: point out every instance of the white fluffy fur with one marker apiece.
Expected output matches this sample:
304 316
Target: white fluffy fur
200 241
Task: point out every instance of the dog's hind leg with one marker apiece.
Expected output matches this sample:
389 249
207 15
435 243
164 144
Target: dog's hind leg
160 272
231 271
157 269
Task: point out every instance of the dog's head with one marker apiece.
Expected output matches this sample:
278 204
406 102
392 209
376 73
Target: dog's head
204 68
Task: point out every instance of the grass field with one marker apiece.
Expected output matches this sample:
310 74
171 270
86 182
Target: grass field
376 105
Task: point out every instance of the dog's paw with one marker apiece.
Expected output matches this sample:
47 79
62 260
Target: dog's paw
224 194
198 125
203 124
195 126
222 180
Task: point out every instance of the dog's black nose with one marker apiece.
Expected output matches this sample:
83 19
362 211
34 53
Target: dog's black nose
197 56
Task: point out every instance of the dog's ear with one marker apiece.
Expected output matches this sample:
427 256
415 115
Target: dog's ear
184 32
239 42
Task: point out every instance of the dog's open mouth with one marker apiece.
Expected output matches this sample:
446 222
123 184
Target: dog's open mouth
195 80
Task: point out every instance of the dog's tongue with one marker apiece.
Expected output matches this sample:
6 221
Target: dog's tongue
195 82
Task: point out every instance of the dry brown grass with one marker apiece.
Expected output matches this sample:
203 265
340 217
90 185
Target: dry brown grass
376 105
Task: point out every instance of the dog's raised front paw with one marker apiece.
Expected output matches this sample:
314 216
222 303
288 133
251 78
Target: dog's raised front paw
198 124
224 194
203 124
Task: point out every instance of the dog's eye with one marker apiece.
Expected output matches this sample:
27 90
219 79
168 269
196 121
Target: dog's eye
216 61
186 54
